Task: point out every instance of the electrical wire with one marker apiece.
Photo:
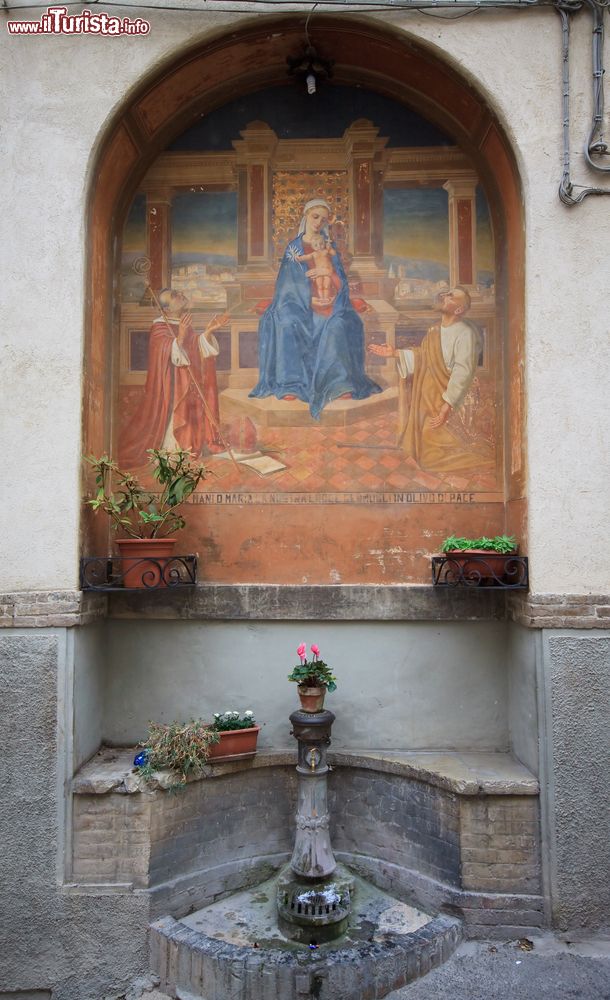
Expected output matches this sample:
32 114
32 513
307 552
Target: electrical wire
567 189
317 4
594 145
353 6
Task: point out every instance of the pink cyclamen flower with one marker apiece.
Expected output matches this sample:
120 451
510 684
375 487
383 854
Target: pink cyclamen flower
301 651
315 650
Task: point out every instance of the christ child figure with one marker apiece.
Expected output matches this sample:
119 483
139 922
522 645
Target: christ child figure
322 273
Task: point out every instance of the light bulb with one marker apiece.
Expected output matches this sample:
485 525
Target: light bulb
310 80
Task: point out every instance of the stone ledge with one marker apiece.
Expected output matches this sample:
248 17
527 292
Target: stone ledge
111 770
342 602
281 602
463 773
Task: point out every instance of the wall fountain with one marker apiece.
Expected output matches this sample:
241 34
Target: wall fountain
314 929
313 896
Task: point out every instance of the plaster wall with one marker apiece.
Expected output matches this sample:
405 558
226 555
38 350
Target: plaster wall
401 686
61 93
89 684
521 662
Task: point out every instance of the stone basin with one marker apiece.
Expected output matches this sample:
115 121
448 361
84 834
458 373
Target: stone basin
233 949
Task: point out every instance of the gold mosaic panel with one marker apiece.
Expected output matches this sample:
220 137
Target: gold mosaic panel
291 190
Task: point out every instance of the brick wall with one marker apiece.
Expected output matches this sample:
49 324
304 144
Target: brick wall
392 818
111 838
215 821
477 854
500 844
152 837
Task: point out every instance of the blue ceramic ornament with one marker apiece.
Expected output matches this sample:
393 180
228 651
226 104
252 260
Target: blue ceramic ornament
141 759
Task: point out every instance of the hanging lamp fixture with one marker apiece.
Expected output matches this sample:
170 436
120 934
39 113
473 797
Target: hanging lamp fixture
310 68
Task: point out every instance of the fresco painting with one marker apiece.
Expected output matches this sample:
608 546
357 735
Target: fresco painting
309 303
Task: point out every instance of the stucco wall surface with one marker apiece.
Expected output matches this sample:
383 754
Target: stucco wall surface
567 344
412 687
577 673
60 94
74 945
89 685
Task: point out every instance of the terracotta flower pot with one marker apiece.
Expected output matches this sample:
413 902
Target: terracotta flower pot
312 698
235 744
488 568
139 565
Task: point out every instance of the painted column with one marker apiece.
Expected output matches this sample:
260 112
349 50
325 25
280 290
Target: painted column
363 149
255 151
462 232
159 237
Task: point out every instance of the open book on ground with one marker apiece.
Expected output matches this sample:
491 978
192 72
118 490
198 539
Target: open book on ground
262 464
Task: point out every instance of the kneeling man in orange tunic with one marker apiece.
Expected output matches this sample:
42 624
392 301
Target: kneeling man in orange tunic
443 368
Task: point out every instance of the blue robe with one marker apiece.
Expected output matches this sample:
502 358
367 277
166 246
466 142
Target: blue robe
301 353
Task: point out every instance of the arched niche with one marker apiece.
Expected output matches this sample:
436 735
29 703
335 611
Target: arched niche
247 541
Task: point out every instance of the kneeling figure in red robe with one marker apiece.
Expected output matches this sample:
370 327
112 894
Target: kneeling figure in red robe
181 367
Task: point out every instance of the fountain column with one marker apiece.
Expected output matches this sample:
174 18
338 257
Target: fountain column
313 855
314 894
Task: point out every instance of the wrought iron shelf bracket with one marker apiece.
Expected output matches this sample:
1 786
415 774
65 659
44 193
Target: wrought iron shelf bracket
104 573
508 572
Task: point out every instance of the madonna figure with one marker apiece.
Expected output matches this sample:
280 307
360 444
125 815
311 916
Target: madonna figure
311 340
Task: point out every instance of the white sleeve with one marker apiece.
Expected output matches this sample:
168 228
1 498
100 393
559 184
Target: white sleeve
464 366
179 356
405 362
209 347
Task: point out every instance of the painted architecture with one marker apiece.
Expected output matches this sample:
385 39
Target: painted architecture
185 157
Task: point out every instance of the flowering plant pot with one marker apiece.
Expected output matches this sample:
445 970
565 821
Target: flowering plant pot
234 744
314 678
311 698
237 736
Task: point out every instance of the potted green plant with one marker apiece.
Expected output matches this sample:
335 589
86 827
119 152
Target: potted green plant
491 556
146 517
183 747
186 747
314 678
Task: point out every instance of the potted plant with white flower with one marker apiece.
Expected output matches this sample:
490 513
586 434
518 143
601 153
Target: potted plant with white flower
314 678
237 736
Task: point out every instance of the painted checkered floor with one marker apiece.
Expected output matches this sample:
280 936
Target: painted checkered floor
362 457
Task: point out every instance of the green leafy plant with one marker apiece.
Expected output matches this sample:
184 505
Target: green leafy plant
228 721
183 747
504 544
314 672
137 511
